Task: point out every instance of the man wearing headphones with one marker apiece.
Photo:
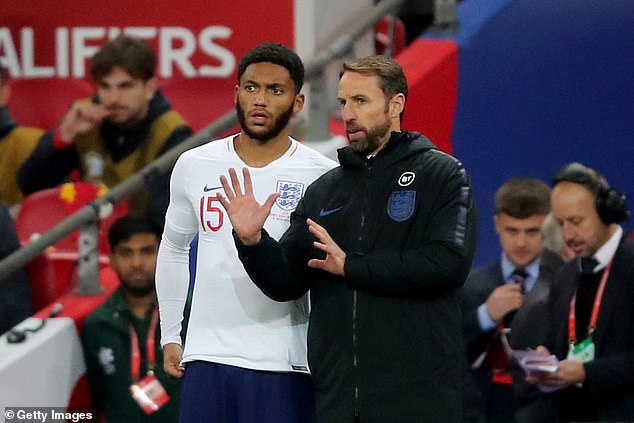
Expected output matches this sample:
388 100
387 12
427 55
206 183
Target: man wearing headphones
592 302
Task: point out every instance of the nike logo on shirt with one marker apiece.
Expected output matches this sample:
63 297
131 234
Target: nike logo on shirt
207 189
323 212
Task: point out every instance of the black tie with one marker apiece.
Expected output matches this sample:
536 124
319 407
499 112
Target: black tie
519 275
587 265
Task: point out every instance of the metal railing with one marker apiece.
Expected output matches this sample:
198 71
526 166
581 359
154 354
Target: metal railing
87 218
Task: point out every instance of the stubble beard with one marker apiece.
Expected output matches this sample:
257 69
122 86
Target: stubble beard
279 123
375 138
137 290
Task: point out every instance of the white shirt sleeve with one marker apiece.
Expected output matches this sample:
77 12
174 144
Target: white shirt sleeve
172 267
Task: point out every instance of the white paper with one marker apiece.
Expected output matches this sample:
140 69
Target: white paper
534 362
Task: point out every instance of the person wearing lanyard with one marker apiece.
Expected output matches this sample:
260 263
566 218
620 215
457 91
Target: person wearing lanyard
592 302
121 337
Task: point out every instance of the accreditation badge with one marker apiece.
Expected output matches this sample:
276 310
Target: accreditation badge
149 394
584 351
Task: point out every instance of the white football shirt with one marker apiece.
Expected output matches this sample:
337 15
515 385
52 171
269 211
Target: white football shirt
232 322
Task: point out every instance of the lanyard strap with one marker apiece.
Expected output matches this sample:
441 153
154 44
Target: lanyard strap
572 316
150 351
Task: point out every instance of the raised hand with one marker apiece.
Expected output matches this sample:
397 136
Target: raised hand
81 118
335 256
247 216
503 300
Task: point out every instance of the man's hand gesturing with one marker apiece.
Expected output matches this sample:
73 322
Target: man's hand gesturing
247 216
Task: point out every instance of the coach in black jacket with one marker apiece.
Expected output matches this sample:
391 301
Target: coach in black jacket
383 243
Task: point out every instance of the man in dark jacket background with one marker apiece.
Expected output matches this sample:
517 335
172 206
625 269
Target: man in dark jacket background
15 300
108 138
121 337
16 144
383 243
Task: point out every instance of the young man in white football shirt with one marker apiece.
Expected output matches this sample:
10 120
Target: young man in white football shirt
244 357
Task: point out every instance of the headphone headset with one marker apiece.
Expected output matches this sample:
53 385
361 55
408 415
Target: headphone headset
611 205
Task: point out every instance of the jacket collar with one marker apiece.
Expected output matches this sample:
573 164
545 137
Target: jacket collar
118 303
605 253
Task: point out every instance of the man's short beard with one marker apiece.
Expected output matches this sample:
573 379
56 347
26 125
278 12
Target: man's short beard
279 124
374 138
137 291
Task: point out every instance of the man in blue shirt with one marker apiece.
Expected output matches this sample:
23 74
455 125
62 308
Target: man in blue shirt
498 297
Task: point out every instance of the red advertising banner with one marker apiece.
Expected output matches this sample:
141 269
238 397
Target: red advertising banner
198 45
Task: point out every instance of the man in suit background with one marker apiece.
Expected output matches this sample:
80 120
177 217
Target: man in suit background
508 296
592 301
531 324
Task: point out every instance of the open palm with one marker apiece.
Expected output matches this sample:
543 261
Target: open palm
335 257
247 216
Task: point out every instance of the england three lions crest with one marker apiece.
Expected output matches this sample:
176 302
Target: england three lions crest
401 205
290 194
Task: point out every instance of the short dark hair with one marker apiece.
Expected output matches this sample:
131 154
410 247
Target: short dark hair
522 198
391 77
127 226
131 54
277 54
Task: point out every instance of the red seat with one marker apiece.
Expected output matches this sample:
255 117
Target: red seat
78 307
42 103
54 272
44 209
382 35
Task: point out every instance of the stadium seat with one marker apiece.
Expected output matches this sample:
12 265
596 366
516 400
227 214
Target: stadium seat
41 103
53 273
382 35
44 209
77 306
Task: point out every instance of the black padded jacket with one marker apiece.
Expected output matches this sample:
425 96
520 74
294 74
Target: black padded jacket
385 341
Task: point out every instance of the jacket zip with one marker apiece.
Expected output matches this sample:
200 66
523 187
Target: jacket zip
355 358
